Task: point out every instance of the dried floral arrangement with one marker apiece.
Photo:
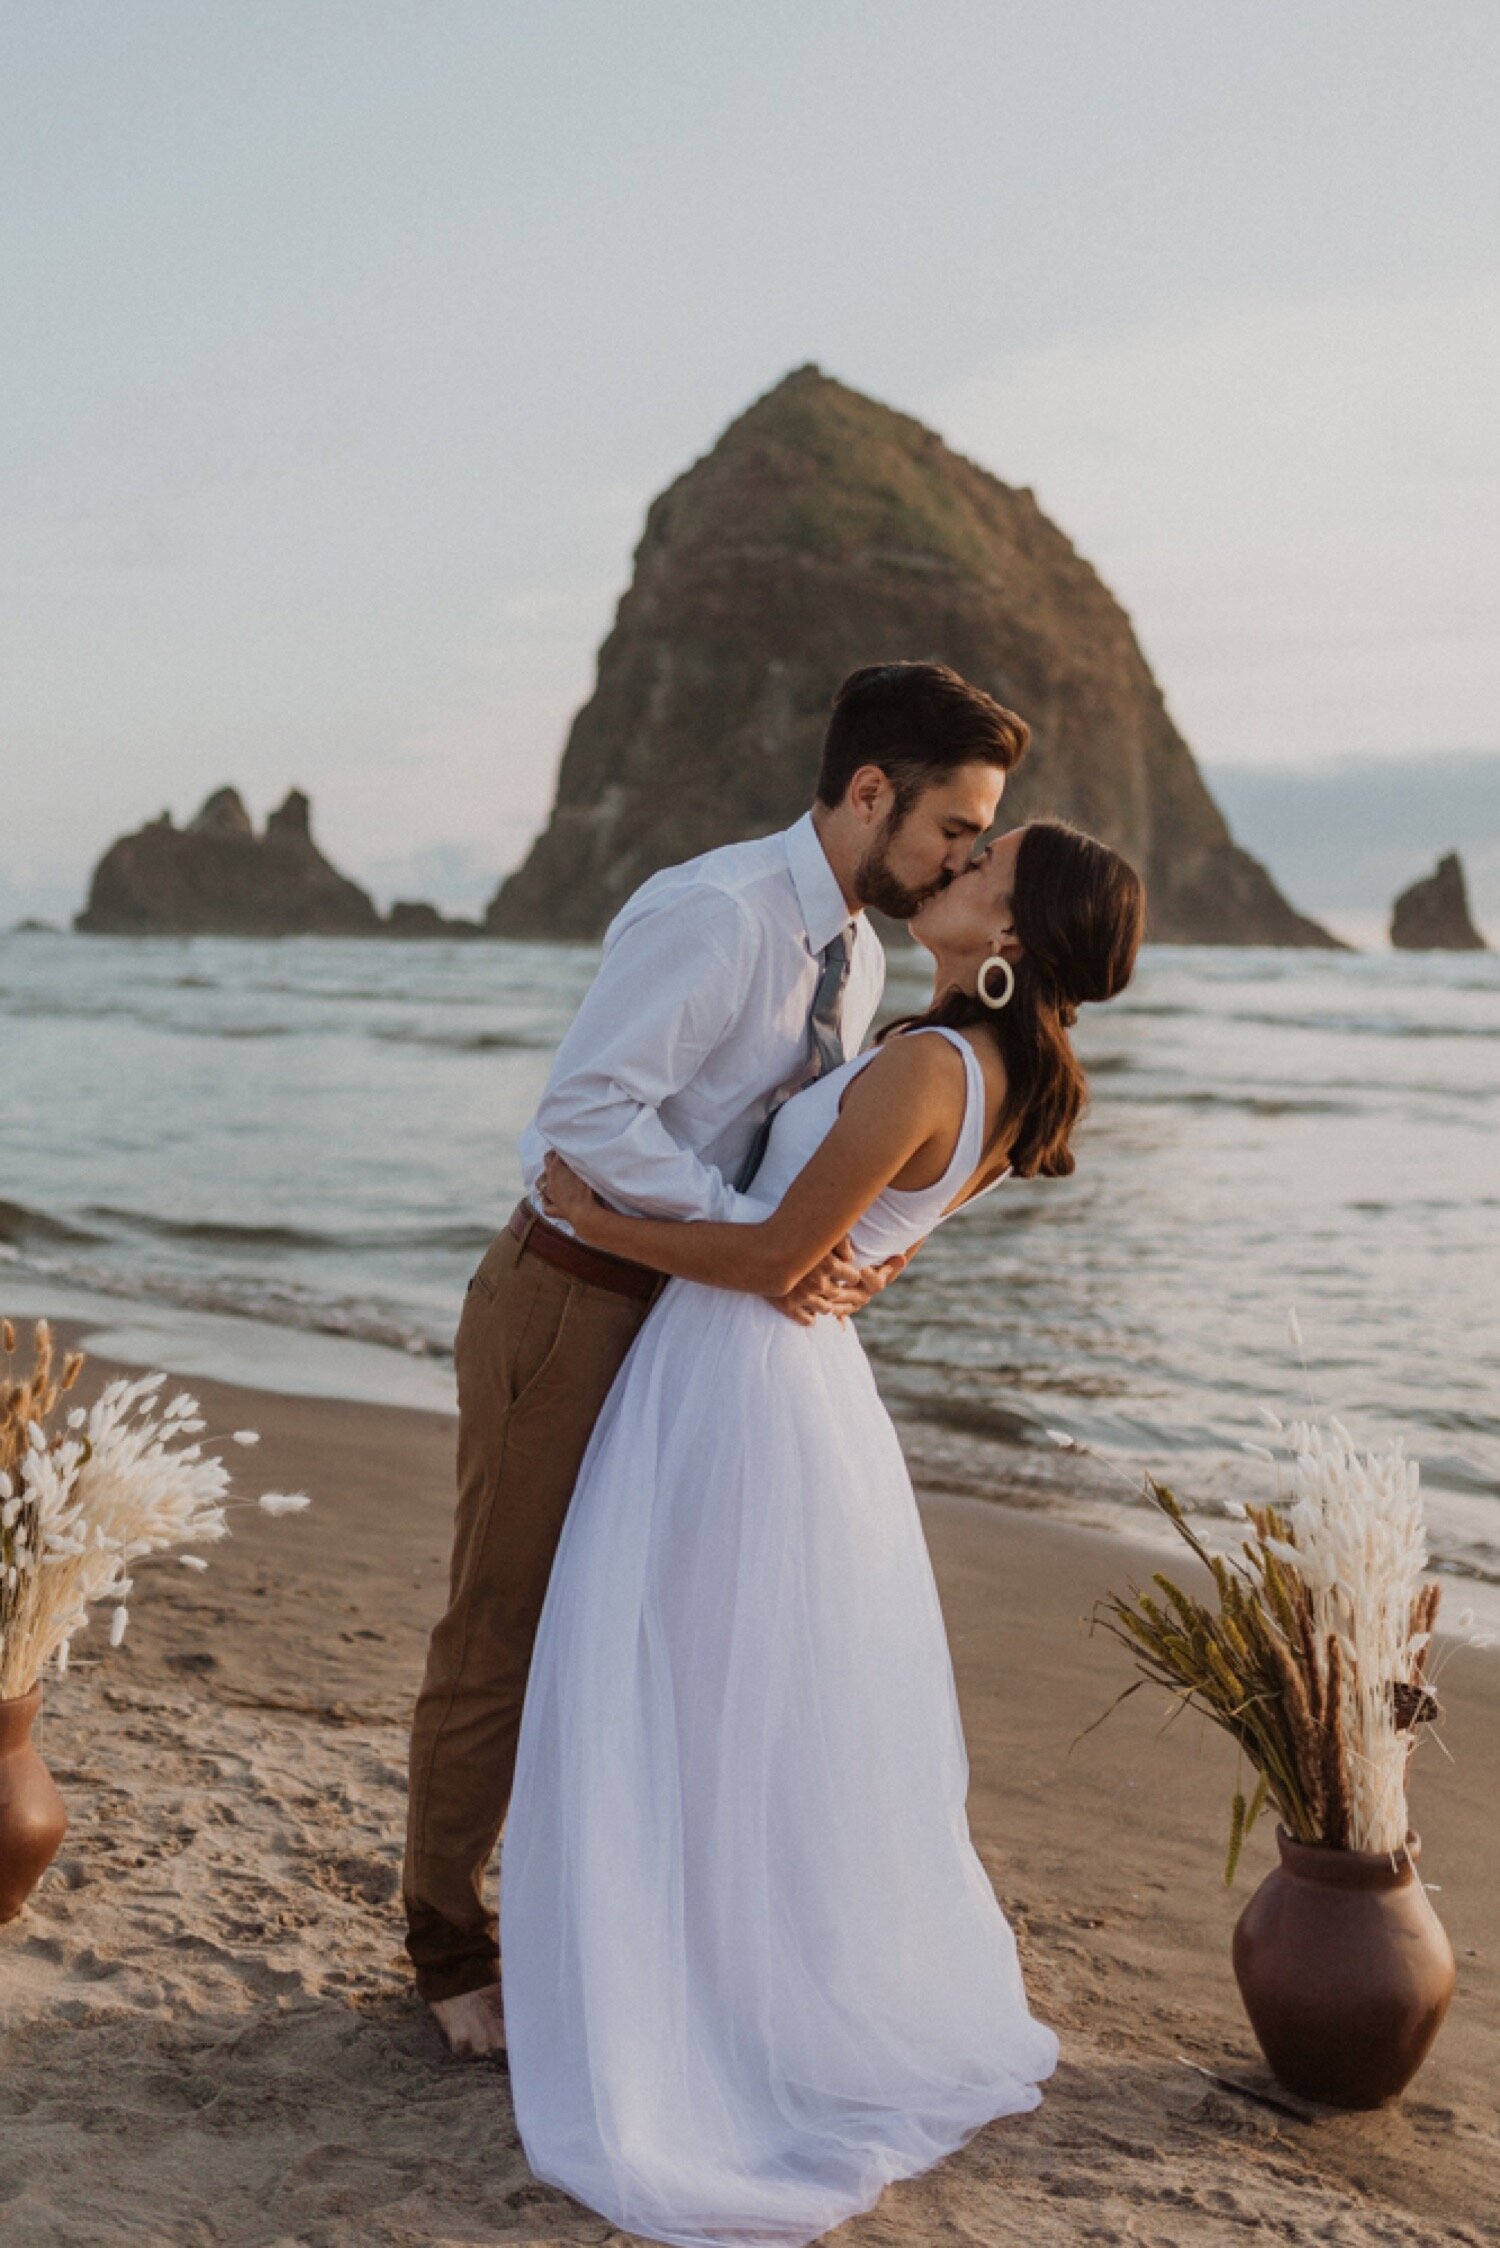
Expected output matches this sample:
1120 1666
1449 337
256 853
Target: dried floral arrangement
86 1496
1315 1656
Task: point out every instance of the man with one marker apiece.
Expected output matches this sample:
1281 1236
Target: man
725 984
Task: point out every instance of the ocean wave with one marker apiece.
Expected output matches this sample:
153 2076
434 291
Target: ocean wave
308 987
311 1026
1477 1568
274 1304
223 1233
1252 1104
374 995
1266 1018
89 1010
997 1423
308 1025
468 1042
20 1226
212 1232
25 1006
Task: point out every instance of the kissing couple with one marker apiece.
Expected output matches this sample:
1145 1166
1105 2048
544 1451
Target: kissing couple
747 1963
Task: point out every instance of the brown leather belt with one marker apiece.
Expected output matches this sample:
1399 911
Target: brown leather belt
542 1239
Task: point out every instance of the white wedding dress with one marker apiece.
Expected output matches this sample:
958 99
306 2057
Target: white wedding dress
753 1967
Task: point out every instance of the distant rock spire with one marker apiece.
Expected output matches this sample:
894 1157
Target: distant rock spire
1433 915
223 813
292 819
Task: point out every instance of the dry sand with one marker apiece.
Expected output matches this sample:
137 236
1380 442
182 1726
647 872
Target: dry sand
208 2030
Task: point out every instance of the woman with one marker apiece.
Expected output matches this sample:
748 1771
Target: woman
753 1967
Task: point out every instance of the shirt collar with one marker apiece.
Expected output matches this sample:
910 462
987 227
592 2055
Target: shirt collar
819 897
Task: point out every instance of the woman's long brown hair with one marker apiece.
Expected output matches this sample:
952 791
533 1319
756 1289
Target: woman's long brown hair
1078 910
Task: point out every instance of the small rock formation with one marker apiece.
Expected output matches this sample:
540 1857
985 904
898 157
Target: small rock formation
1433 915
824 531
217 877
413 917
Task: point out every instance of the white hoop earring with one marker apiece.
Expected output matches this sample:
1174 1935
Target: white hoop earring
996 960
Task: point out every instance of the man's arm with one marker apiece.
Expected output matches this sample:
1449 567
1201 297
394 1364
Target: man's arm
673 982
671 986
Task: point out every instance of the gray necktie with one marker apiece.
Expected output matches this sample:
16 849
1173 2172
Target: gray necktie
827 1041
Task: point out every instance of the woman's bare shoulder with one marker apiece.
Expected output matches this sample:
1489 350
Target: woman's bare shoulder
913 1068
939 1076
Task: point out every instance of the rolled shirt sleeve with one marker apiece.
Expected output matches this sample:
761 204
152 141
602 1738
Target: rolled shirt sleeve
673 980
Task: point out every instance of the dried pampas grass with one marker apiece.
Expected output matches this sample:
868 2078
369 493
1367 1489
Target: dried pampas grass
1314 1654
80 1504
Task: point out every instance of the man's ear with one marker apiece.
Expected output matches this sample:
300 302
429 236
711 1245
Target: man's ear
869 794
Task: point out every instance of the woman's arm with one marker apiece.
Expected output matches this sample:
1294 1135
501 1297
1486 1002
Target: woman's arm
903 1111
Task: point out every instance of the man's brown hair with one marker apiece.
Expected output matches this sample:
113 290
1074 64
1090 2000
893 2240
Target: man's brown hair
916 721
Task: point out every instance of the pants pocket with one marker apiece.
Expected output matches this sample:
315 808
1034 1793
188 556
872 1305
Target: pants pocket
510 1329
539 1346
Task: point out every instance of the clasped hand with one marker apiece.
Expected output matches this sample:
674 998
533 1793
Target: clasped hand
565 1195
837 1284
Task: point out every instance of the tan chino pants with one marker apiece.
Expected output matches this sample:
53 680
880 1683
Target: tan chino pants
536 1353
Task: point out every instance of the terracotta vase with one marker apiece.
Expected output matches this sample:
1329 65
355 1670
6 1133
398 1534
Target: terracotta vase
1345 1971
32 1818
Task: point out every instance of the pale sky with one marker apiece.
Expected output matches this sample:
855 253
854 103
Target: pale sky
346 342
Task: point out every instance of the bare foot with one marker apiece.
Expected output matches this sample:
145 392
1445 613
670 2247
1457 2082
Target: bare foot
473 2025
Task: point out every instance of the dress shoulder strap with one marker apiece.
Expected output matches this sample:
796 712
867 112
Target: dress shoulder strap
969 1143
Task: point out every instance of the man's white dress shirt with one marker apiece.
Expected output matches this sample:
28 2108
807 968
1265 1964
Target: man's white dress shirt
696 1021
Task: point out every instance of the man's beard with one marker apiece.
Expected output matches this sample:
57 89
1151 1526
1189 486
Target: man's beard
876 886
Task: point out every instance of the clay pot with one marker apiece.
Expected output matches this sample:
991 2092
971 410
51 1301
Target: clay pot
32 1818
1345 1971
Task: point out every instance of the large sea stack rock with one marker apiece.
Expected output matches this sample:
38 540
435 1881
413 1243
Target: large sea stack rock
1433 915
217 877
822 532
